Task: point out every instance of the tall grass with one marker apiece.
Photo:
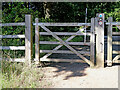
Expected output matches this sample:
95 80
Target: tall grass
17 75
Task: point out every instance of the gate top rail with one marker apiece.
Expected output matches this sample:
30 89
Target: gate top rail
63 24
113 23
46 24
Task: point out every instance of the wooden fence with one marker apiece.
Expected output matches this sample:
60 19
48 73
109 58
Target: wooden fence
64 43
110 42
28 40
94 34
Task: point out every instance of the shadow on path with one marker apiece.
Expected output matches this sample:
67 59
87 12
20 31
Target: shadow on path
75 69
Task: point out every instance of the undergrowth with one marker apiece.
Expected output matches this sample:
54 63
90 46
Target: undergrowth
18 75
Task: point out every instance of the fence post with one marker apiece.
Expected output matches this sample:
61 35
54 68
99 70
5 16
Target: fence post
37 53
109 42
28 39
99 29
92 41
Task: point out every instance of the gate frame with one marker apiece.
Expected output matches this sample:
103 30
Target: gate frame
92 39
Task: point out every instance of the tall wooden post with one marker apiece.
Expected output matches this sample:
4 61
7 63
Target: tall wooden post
37 53
28 39
109 42
99 28
92 41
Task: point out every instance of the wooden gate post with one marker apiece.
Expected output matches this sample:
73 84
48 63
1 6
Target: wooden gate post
99 28
109 42
92 41
28 39
37 51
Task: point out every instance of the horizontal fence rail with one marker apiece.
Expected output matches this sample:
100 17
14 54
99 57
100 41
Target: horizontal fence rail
70 43
28 40
12 24
63 60
12 36
115 52
113 23
63 24
13 59
62 51
65 33
12 47
116 42
116 33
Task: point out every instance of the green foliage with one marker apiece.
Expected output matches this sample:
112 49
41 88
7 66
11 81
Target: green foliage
17 75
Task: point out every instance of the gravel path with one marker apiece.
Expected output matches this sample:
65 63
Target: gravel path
78 75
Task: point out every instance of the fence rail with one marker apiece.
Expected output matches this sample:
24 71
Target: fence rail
62 51
13 24
12 36
65 33
63 60
28 40
116 33
113 23
12 47
62 24
70 43
13 59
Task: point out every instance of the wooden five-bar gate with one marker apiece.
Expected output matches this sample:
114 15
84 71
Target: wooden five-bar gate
96 42
65 43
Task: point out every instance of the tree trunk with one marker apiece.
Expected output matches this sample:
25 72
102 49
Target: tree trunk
47 8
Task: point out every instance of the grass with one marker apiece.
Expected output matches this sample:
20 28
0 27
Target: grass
17 75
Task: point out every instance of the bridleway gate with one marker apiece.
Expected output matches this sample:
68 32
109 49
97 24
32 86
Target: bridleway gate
94 56
66 42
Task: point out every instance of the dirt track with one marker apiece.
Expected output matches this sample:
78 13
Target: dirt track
77 75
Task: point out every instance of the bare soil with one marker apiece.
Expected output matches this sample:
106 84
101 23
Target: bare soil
79 75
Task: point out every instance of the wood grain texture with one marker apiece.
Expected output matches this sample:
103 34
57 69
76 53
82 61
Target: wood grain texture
69 47
28 39
92 41
109 43
12 36
12 47
12 24
37 54
70 43
62 24
65 33
59 46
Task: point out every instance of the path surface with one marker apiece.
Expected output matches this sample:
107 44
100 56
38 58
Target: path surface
77 75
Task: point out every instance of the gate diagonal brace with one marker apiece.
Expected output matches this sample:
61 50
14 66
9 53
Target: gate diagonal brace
67 45
118 27
59 46
116 58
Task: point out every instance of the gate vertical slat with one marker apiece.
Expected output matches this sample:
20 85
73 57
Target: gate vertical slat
37 55
109 42
28 39
92 41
